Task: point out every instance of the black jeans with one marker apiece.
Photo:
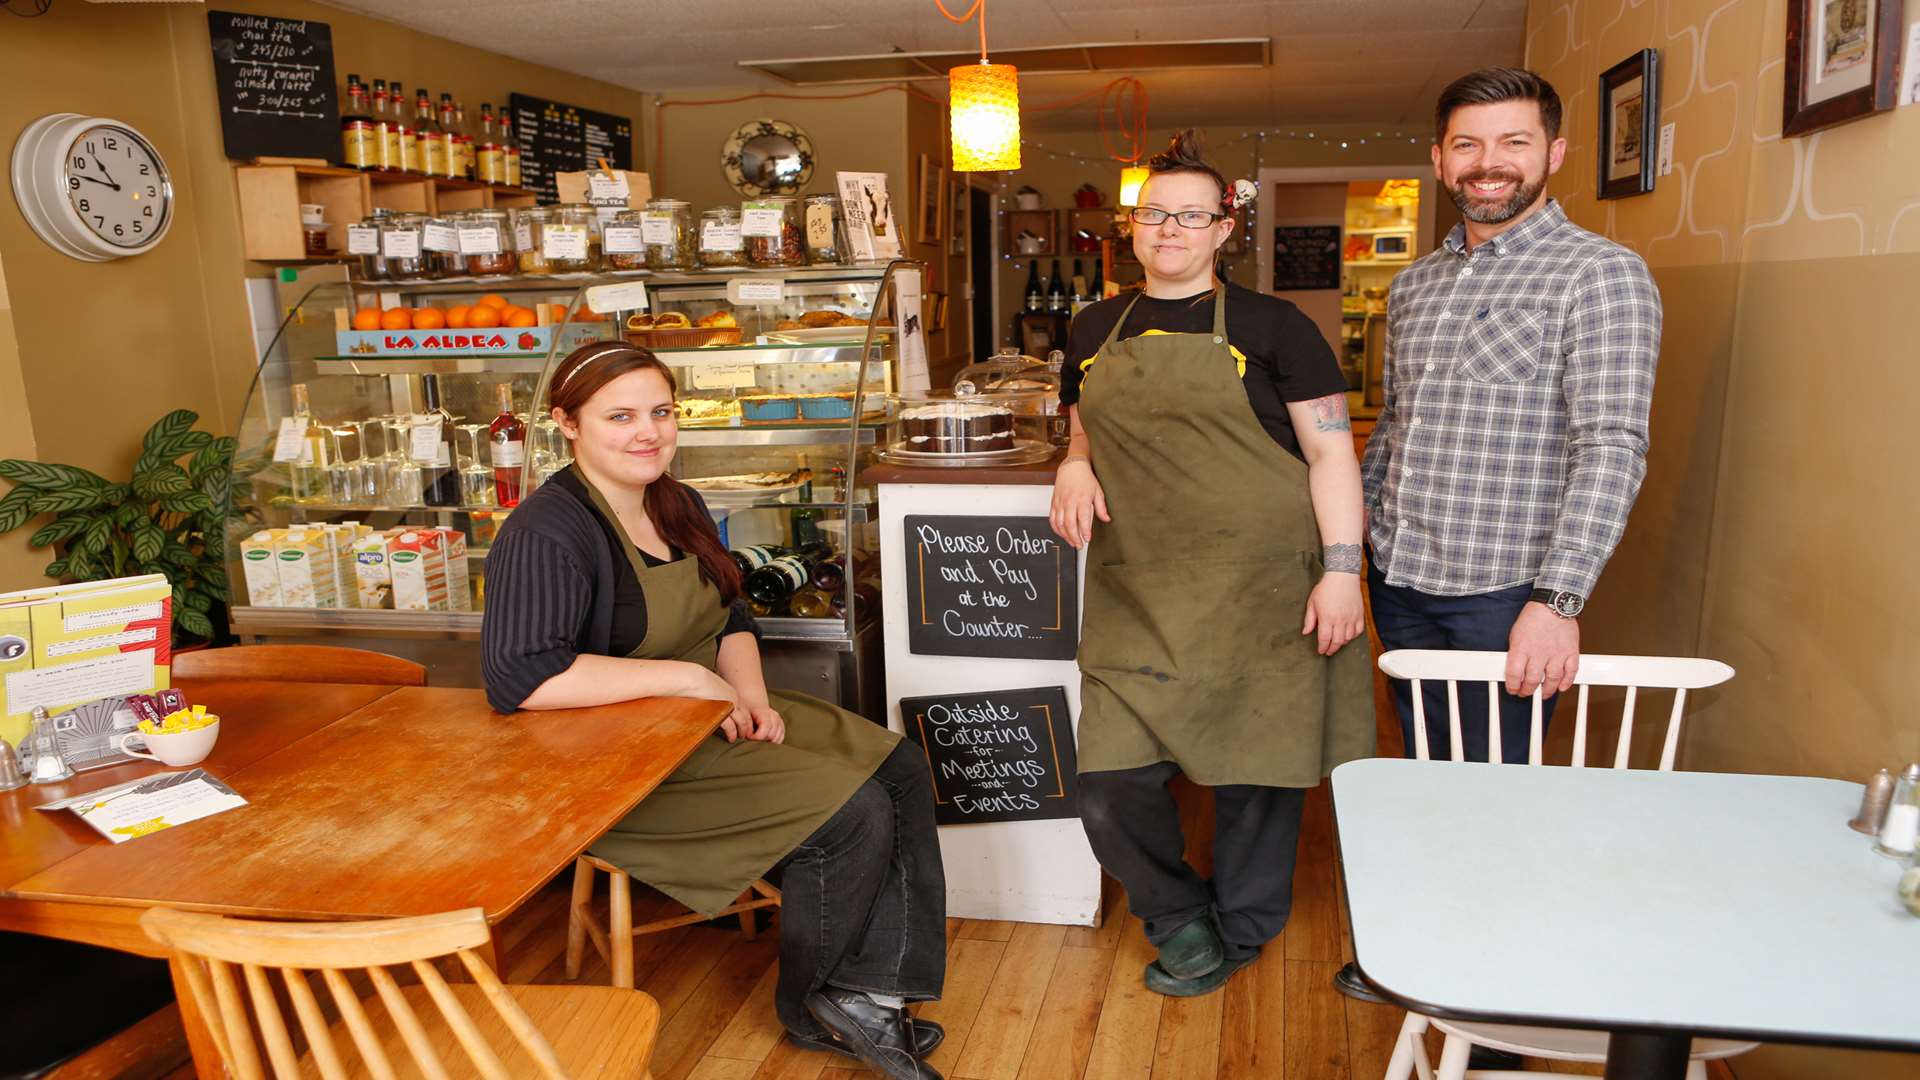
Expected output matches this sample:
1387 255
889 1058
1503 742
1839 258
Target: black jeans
1410 619
1134 826
864 899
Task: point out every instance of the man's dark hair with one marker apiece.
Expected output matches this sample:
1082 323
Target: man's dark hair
1182 155
1490 86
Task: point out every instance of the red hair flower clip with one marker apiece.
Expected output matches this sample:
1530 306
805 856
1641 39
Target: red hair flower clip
1239 194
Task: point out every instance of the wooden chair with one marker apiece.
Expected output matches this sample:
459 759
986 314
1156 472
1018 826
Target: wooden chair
1635 673
602 1032
614 942
298 663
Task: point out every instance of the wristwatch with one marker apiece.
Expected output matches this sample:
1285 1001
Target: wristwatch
1567 605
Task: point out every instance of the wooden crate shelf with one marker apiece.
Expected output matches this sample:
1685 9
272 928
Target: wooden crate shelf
271 196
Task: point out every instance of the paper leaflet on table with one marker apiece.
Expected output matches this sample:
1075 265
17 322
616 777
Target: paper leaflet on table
64 645
145 806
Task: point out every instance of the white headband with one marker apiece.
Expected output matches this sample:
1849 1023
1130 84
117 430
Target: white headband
614 346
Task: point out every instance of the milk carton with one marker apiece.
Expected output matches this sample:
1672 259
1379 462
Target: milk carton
263 577
459 587
417 562
305 561
374 585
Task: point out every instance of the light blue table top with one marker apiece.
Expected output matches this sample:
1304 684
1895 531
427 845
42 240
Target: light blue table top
1720 904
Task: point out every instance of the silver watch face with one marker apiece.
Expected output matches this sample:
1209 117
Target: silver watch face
1568 605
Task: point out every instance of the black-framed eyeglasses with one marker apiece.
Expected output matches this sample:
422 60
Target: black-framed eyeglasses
1188 219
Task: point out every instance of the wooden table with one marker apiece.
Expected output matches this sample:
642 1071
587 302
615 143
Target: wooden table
1657 906
363 802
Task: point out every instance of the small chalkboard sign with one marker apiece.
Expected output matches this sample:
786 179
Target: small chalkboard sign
275 84
1306 257
991 586
997 755
555 137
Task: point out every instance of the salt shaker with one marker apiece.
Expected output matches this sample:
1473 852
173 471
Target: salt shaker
50 765
11 775
1902 828
1873 804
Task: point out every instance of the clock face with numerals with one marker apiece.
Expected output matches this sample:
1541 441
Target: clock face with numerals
118 185
92 187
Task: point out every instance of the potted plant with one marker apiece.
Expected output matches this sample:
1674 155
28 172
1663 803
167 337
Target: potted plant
170 518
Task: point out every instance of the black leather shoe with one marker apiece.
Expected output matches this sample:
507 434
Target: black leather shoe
877 1035
1350 982
1160 982
927 1037
1192 951
1486 1057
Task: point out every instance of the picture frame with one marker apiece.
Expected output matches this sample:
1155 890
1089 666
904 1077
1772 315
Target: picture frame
1842 61
1629 126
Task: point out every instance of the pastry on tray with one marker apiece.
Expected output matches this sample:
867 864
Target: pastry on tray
672 320
718 319
789 324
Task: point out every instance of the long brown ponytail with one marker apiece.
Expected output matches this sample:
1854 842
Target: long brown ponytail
672 506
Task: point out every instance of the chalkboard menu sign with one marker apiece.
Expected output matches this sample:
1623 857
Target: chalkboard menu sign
276 88
1001 755
991 586
1306 257
556 138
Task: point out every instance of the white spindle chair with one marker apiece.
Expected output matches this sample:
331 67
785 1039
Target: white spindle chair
1635 673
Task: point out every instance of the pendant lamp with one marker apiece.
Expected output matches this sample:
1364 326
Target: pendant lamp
1132 179
985 105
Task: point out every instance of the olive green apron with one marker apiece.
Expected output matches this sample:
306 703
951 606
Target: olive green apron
1191 650
731 810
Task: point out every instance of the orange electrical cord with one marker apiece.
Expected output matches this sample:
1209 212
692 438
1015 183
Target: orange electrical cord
980 8
1126 98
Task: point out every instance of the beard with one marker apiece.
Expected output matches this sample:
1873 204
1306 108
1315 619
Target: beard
1482 212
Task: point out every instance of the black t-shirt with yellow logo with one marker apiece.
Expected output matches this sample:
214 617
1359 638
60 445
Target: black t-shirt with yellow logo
1286 355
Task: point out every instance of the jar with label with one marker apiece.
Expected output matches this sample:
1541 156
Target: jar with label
529 227
667 227
566 239
826 231
403 242
720 238
440 237
624 241
486 243
363 240
772 231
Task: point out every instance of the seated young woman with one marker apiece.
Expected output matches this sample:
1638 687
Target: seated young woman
610 583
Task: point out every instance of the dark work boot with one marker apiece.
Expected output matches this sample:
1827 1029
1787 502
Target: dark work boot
1192 951
877 1035
1160 982
927 1037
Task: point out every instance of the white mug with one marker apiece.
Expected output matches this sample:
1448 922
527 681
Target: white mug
176 748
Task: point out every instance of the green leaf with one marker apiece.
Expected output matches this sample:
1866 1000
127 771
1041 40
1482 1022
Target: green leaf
186 502
16 507
56 569
148 541
130 515
41 475
163 438
195 623
179 555
195 600
95 538
164 479
65 527
68 499
215 585
217 455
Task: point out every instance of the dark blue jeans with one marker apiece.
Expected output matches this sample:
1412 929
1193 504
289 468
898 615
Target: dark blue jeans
1410 619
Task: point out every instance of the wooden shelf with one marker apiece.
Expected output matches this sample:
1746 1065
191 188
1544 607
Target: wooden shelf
271 196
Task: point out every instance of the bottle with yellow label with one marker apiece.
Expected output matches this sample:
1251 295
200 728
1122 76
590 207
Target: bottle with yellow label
491 156
510 157
406 153
426 133
358 149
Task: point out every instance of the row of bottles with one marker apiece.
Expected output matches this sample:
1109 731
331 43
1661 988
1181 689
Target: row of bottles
409 460
378 133
1059 296
807 581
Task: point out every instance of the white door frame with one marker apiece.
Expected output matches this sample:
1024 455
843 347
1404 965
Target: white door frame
1272 178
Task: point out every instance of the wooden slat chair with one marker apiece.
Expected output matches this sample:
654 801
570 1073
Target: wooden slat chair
299 663
601 1031
614 942
1677 673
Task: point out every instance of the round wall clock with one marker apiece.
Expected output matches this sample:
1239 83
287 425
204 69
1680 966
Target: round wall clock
93 188
767 157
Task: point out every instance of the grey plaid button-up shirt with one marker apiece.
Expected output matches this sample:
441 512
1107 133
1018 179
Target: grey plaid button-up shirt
1513 440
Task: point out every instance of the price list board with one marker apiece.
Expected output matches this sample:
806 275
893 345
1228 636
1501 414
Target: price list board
556 137
275 83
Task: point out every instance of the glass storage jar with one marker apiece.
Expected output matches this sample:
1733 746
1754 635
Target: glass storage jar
442 242
623 241
364 240
826 230
403 243
486 243
771 228
529 227
720 238
667 227
566 239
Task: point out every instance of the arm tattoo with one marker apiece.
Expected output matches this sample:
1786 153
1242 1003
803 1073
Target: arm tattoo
1330 413
1341 558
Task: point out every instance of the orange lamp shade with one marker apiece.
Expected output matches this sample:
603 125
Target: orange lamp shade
984 100
1132 179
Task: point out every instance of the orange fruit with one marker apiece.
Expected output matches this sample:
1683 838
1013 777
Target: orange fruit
495 301
398 318
429 318
457 316
482 316
521 317
367 318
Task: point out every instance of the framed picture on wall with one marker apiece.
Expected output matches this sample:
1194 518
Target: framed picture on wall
1843 61
1629 125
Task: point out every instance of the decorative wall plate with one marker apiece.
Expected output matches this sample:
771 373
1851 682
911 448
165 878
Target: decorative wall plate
767 157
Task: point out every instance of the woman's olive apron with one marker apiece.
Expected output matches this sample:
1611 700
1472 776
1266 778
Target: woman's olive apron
731 810
1192 651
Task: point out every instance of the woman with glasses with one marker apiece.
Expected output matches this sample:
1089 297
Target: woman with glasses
1212 477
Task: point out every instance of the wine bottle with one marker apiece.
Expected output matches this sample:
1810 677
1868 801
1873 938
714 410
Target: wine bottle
775 583
1096 288
1056 290
811 604
749 559
310 483
828 575
508 434
432 449
1078 284
1036 293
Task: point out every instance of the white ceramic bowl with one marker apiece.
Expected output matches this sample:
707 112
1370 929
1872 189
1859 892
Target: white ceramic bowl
179 748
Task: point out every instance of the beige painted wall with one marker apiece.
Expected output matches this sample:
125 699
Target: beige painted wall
18 562
104 349
1768 530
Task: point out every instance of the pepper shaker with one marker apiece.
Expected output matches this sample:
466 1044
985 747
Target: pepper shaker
1873 804
1902 828
49 764
11 775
